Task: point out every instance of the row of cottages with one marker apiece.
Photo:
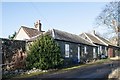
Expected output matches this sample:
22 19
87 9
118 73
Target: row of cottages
104 47
74 48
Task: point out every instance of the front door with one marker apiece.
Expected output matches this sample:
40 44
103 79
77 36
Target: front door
78 54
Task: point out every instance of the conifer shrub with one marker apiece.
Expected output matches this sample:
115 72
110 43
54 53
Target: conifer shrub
44 53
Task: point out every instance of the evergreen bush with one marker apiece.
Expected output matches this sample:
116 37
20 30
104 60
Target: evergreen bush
44 53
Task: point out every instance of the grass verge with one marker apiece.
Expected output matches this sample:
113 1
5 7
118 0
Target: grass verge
88 64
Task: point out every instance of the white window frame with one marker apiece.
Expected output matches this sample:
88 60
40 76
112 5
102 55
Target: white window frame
98 50
78 54
94 53
85 50
67 50
106 53
101 50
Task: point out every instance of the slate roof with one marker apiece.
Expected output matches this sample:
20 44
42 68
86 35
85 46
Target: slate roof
98 39
65 36
31 32
105 40
94 39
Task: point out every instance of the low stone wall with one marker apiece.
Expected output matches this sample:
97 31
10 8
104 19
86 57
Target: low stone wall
13 53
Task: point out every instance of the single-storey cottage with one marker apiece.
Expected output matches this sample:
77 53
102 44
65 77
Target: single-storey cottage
74 49
104 46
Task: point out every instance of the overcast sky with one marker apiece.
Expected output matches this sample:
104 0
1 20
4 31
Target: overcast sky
73 17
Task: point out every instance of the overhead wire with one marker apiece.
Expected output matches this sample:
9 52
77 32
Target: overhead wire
39 13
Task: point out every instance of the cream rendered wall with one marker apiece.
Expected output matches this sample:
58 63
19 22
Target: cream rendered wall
22 35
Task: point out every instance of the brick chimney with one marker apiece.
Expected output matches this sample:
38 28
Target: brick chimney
38 25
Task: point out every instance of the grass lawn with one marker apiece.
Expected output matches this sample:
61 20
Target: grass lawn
59 71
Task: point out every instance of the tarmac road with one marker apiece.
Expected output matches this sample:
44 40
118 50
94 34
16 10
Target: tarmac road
93 72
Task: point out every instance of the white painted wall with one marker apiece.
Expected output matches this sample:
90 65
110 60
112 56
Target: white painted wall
21 35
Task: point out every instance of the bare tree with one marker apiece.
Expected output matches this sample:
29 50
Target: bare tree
110 18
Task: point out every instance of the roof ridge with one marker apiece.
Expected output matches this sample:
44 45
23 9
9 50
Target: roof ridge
67 32
28 27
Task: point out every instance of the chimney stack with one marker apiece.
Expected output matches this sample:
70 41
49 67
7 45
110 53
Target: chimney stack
93 32
38 25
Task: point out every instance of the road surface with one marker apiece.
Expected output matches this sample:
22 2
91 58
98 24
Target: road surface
92 72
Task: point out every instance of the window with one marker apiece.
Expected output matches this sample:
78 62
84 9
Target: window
106 51
85 50
82 52
78 54
66 50
100 49
94 53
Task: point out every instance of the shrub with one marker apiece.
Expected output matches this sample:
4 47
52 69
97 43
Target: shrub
44 53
